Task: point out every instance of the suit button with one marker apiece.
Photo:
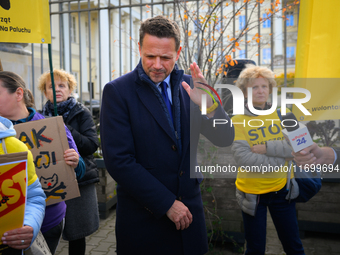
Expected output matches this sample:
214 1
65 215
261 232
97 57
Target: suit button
174 147
181 173
179 198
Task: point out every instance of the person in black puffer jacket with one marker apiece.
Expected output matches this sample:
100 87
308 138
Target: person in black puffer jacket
82 217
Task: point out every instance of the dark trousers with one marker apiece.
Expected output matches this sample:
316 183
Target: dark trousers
284 217
53 235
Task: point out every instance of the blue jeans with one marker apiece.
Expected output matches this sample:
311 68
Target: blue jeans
283 214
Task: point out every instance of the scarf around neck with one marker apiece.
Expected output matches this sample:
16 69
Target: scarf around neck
63 108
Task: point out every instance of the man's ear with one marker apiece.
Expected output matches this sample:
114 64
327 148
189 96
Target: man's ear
140 49
178 52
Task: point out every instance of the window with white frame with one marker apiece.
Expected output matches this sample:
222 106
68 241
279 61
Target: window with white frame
242 22
290 19
218 26
75 91
218 58
197 26
73 30
196 57
291 52
266 55
290 55
87 33
266 21
242 54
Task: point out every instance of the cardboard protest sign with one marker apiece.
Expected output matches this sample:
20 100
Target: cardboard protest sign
13 187
47 141
25 21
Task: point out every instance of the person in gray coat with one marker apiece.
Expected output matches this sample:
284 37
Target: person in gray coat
262 156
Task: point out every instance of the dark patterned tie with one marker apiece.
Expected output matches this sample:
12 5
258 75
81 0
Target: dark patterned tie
166 98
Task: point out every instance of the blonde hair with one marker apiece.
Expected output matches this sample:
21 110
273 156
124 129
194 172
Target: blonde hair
252 72
62 74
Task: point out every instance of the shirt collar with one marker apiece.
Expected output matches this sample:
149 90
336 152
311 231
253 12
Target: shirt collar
167 80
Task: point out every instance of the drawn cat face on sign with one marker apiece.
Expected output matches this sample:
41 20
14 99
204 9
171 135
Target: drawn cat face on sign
5 4
49 183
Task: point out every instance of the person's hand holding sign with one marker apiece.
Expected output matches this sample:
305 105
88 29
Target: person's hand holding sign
71 158
19 238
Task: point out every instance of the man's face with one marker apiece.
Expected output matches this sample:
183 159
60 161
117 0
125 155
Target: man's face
158 56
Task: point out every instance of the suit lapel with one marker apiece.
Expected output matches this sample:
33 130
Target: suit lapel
151 102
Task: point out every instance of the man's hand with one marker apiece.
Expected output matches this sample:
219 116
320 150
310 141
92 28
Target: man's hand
314 155
259 149
180 215
195 94
19 238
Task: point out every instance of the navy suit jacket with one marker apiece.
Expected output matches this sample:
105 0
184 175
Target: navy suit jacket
150 160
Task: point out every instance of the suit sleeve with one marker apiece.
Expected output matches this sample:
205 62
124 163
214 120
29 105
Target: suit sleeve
218 129
119 155
337 152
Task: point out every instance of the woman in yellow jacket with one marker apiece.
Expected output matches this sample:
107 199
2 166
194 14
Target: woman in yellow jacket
260 151
22 238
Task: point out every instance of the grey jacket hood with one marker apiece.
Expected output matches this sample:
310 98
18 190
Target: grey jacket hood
6 128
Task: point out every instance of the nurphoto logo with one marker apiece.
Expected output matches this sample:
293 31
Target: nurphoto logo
238 103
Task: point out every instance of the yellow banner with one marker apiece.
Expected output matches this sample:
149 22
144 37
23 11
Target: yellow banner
25 21
317 56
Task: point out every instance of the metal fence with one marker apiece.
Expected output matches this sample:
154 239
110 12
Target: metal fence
96 40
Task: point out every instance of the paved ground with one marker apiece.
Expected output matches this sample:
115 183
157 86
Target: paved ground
104 242
314 243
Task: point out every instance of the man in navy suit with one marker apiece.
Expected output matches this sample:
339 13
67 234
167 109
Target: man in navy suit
148 147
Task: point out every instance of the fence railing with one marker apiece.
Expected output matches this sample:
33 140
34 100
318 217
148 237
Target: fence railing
97 40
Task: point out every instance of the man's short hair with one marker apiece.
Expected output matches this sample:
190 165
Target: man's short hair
162 27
